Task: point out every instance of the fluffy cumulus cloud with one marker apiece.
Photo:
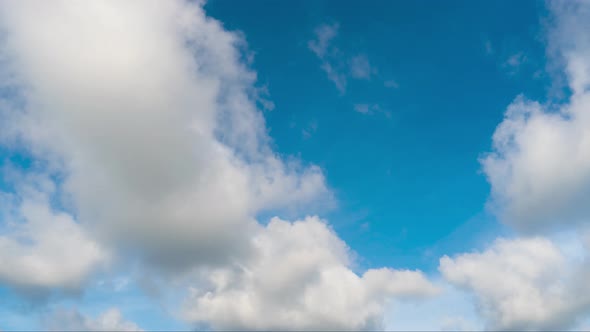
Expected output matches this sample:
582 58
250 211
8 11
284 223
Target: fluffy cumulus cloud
63 319
524 283
147 110
539 168
34 251
142 118
301 278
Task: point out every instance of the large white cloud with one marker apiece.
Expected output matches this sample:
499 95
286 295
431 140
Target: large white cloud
301 278
148 111
525 283
540 165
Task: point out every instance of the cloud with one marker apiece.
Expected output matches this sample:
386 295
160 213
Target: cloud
335 75
539 168
369 109
143 118
71 320
309 130
329 55
360 68
514 61
338 66
539 171
524 283
391 84
324 34
362 108
489 49
301 278
147 111
41 247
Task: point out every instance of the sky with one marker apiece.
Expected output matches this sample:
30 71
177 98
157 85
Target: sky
307 165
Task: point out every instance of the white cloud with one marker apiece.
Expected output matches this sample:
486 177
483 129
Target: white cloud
322 46
309 130
144 115
337 66
514 61
391 84
147 110
489 49
539 171
72 320
539 168
301 278
41 247
360 68
452 309
362 108
324 34
335 75
369 109
524 283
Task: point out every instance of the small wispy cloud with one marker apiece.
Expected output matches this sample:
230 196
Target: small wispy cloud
362 108
324 49
515 60
360 68
392 84
334 75
308 131
339 67
369 109
489 49
324 35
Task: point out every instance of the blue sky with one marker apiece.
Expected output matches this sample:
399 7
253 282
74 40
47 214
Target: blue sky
294 165
413 177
